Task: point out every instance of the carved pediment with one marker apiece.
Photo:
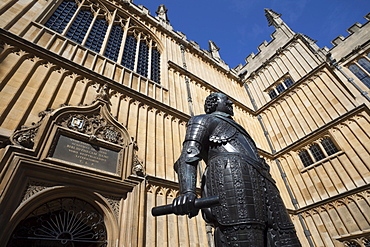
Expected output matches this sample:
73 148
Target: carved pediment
93 120
95 125
88 137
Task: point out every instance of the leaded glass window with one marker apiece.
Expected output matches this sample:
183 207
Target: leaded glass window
352 244
91 32
364 64
367 243
317 152
155 70
280 88
128 58
360 74
305 158
97 34
288 82
80 25
114 43
62 15
142 66
272 94
329 146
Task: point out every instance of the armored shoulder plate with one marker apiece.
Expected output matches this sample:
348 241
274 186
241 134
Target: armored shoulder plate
198 128
223 132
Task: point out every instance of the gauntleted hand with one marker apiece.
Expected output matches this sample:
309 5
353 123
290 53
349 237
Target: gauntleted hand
184 204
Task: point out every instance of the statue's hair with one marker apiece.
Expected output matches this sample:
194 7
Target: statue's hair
210 103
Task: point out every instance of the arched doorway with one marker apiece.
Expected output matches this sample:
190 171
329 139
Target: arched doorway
62 222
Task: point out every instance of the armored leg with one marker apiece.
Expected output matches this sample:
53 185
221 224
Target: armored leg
244 235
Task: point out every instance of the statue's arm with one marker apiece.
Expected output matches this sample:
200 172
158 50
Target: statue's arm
186 167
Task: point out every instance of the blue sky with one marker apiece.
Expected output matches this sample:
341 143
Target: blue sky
239 26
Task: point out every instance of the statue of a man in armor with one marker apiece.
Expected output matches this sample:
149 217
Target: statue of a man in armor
251 211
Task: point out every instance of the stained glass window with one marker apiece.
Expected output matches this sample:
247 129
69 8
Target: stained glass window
62 15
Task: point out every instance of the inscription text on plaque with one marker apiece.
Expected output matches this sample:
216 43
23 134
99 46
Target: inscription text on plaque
86 154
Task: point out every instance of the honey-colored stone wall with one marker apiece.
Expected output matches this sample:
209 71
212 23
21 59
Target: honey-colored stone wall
42 70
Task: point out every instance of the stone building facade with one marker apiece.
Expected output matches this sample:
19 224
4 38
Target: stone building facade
95 96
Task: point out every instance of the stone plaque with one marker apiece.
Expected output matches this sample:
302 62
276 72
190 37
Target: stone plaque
86 154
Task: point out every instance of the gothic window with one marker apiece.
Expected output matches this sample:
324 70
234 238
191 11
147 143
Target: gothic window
142 66
155 70
316 152
305 158
79 27
280 88
364 64
128 59
361 69
366 242
62 15
329 146
97 34
62 222
114 43
140 53
288 82
352 244
272 94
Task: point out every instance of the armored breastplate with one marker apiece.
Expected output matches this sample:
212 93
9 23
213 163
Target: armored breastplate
227 138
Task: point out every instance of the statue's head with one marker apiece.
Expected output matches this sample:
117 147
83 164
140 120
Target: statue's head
218 102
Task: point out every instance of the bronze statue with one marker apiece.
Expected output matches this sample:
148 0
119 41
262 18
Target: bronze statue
251 211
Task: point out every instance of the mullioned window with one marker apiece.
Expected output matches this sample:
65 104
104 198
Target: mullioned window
89 26
317 151
361 69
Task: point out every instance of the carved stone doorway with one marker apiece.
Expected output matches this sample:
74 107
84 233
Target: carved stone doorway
63 222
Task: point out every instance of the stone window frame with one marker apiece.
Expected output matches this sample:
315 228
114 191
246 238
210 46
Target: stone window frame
316 151
150 68
360 69
280 86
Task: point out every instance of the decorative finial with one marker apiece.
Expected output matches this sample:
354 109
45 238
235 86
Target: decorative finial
162 13
214 50
273 18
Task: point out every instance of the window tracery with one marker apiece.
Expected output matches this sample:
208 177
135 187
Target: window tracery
65 221
107 32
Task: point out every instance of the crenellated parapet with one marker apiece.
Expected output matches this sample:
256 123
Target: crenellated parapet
359 35
282 35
